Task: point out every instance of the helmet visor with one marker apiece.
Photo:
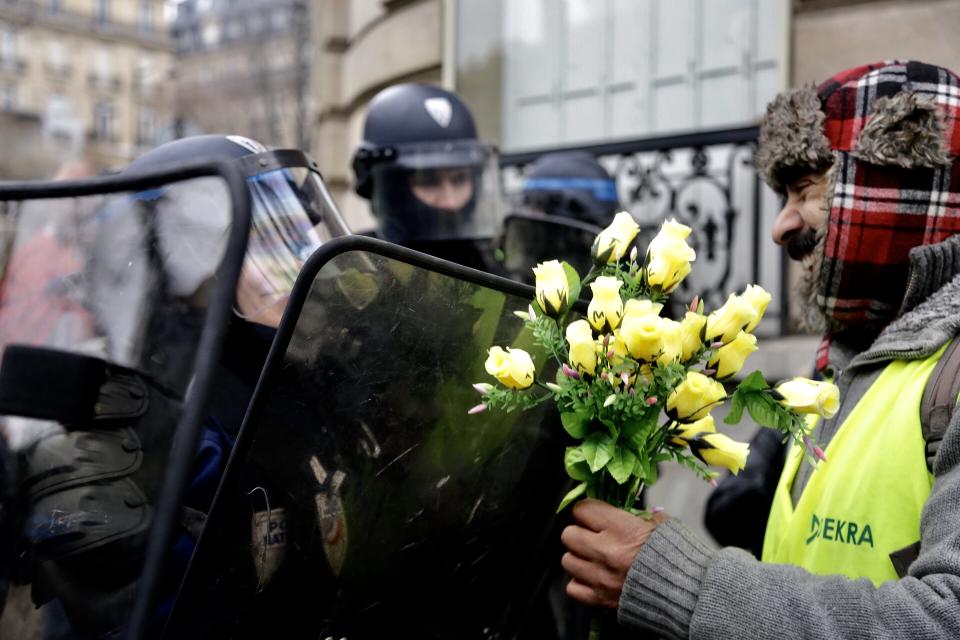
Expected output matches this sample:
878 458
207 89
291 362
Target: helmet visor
432 196
453 153
293 215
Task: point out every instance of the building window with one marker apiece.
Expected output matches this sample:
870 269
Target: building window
103 121
254 24
280 19
103 11
56 55
145 21
8 45
544 73
60 119
103 66
8 97
211 36
233 30
145 76
147 127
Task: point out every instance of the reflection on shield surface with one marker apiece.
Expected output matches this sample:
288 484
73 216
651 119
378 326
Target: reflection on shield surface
110 296
532 238
362 501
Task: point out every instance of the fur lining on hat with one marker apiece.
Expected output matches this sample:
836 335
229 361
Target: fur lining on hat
906 130
791 136
812 296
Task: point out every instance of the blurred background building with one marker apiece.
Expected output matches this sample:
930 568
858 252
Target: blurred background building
81 77
243 66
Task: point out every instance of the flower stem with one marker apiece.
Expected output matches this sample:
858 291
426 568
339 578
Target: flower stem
596 624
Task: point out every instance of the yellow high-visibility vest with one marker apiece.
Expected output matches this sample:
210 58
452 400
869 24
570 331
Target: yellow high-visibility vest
865 501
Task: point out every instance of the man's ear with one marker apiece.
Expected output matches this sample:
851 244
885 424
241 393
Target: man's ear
905 130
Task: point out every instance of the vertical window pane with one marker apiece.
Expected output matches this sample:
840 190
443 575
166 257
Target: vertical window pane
103 11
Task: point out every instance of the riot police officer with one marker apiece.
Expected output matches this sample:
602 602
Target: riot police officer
571 184
566 200
433 185
147 277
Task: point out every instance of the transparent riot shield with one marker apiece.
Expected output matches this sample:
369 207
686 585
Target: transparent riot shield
531 238
361 500
114 296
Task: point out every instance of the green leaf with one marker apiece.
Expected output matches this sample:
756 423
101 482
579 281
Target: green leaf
753 382
736 408
598 450
575 422
576 464
651 474
646 470
622 464
612 427
761 410
573 494
634 433
573 281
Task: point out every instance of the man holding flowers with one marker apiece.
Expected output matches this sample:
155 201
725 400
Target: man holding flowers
866 544
635 388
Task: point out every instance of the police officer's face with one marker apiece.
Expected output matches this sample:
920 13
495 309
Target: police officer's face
444 189
802 215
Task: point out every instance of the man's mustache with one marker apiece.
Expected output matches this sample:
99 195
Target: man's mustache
801 244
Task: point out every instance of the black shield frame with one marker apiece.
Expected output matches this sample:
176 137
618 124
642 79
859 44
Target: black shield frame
180 620
188 428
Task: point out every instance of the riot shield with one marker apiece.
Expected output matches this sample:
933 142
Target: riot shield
114 295
361 500
530 238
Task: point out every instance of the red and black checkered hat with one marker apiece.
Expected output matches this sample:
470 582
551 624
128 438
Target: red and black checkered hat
889 133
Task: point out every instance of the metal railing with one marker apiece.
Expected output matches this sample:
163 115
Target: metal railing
707 181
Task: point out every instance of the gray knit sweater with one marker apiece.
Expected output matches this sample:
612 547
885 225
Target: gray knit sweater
678 587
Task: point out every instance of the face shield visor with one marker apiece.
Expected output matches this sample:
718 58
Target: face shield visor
438 191
293 214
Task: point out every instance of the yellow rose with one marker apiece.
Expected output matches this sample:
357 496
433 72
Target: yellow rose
670 256
730 319
810 396
719 450
513 367
612 243
729 359
606 308
694 397
642 334
687 432
671 341
553 290
615 346
758 299
641 307
583 348
690 329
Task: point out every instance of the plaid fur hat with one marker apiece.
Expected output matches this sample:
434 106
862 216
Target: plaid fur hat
890 133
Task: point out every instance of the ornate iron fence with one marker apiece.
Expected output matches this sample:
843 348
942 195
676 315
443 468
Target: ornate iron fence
707 181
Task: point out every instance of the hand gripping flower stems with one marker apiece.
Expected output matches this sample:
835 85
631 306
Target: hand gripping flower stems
634 388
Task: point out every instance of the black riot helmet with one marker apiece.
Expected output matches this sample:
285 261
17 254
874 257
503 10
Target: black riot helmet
571 184
427 176
292 215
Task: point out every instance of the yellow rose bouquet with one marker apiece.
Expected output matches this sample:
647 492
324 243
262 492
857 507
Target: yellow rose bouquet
635 388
